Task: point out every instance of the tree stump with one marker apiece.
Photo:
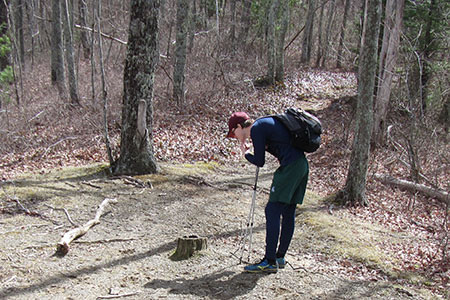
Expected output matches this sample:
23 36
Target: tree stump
187 245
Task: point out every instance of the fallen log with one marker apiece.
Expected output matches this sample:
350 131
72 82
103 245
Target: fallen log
62 248
415 187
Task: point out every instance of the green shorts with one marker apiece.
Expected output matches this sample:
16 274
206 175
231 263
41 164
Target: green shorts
289 182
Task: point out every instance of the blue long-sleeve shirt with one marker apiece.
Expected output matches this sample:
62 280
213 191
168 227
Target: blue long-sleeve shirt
269 134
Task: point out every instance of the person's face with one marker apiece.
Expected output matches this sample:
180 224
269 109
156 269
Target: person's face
238 133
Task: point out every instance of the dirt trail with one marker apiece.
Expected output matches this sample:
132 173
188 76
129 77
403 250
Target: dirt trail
127 254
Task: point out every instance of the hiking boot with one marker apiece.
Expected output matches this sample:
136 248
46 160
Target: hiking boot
281 262
263 266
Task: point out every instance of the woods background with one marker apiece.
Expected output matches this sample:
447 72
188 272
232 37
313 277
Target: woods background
62 80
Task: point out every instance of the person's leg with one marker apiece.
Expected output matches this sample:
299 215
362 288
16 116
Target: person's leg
287 229
273 212
268 264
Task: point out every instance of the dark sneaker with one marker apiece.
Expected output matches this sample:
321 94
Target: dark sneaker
263 266
281 262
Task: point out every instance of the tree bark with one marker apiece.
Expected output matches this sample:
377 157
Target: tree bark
136 152
320 36
327 40
18 26
271 37
84 35
308 34
4 59
68 38
192 27
233 26
342 34
388 59
355 187
282 26
180 52
57 56
245 21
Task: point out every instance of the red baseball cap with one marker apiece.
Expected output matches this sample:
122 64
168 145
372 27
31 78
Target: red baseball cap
236 118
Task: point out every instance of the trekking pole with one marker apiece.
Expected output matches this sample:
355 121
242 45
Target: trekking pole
249 229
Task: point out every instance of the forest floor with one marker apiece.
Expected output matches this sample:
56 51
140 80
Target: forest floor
332 256
52 169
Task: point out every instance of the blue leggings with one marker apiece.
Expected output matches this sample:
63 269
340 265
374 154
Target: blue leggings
277 213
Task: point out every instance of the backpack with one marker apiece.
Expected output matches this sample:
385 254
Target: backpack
305 129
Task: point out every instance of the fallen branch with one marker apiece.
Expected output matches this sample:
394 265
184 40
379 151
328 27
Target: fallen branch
101 33
62 248
415 187
118 240
118 296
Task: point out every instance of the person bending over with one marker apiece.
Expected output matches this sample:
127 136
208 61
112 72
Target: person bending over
288 184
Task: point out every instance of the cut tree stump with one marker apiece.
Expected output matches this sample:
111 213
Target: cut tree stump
187 245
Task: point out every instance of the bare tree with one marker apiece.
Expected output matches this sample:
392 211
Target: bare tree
136 148
57 59
30 9
281 29
68 39
84 35
354 191
342 34
4 61
245 21
180 51
18 27
388 59
320 36
308 34
327 40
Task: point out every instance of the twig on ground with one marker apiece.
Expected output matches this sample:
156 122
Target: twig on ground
118 296
65 211
107 241
90 184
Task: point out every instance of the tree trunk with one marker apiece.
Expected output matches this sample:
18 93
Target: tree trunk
180 52
320 37
233 26
355 187
192 27
282 26
271 36
57 60
18 24
427 53
30 9
136 149
388 58
327 41
68 33
84 35
342 34
4 59
308 34
245 21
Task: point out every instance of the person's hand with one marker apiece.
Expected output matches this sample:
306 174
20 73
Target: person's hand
244 148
